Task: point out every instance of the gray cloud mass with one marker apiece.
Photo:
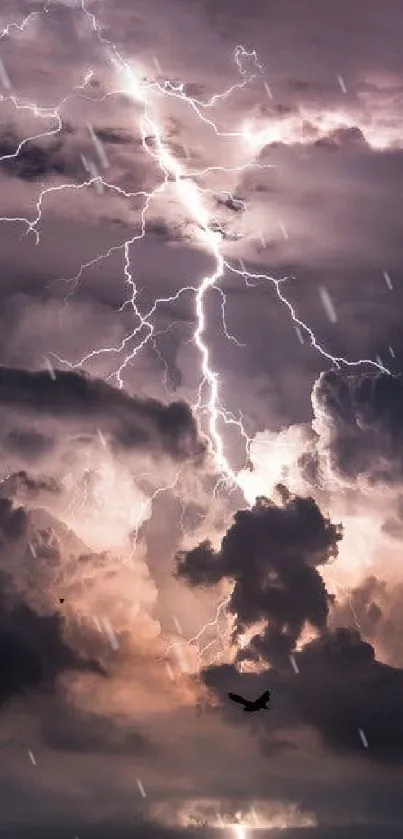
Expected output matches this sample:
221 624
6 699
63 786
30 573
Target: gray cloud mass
152 557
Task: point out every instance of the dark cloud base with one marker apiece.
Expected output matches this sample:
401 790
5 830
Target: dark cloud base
361 419
75 398
271 553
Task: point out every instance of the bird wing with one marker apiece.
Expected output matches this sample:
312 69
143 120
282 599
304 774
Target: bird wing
240 699
265 697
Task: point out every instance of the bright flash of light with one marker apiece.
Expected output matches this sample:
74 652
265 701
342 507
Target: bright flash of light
194 201
103 501
262 815
192 198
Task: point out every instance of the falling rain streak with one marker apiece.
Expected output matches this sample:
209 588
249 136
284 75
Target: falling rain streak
294 664
102 438
97 624
363 738
169 671
179 652
4 77
99 148
327 304
178 626
342 83
141 788
50 370
110 633
268 90
157 64
95 176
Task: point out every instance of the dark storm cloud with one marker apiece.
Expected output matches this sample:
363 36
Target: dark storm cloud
37 649
113 136
342 138
22 483
132 422
162 230
340 688
393 526
231 203
34 161
30 445
377 607
362 603
360 422
67 729
348 210
343 688
13 521
33 652
272 553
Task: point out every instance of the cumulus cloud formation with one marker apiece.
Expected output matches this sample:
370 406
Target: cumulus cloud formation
340 688
34 162
73 625
359 421
376 606
138 585
272 553
76 400
34 652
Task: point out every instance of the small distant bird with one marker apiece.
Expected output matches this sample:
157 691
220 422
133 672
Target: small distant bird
259 704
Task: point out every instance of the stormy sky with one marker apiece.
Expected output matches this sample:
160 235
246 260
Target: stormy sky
201 418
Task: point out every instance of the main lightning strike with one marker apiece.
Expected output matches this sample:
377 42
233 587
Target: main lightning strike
191 196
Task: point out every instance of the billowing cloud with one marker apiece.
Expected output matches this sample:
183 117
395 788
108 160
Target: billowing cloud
78 401
339 691
34 162
272 553
375 606
89 523
359 420
34 652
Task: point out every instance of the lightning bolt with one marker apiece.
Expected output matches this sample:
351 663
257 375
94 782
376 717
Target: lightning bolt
194 200
190 195
196 641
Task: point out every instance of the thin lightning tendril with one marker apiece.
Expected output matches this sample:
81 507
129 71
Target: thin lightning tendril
192 197
201 651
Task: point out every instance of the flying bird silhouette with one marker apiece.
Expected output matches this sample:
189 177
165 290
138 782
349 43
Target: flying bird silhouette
251 707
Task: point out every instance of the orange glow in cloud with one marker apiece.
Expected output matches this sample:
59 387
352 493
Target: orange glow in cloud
263 815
